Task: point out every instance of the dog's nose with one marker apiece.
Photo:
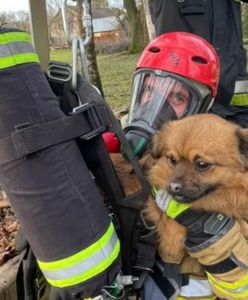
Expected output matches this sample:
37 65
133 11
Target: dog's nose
176 187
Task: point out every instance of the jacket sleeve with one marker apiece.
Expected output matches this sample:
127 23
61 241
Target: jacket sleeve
225 258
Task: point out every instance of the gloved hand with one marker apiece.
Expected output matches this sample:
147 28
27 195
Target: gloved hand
216 241
218 244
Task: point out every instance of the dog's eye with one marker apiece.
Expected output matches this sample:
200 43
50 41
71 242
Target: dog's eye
172 161
202 166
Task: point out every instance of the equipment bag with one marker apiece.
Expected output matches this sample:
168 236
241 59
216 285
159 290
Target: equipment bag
48 183
137 243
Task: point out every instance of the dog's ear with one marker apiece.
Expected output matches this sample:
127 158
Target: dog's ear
147 161
157 146
242 135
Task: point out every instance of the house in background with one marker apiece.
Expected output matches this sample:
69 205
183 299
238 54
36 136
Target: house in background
108 29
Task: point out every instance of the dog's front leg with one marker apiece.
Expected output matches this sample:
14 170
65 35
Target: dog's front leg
171 234
171 240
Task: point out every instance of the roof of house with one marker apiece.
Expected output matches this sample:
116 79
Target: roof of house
105 24
97 13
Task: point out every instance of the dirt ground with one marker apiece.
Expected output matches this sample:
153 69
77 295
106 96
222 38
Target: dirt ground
8 229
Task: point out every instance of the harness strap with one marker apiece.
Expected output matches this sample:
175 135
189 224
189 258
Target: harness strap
171 207
135 201
146 251
28 139
223 266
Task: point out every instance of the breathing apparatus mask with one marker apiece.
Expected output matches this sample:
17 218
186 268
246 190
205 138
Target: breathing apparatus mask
159 97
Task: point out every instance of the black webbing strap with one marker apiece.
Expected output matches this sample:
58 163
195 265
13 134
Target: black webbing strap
86 122
223 266
163 283
135 200
146 251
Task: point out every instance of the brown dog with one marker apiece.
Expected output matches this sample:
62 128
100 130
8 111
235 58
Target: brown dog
201 160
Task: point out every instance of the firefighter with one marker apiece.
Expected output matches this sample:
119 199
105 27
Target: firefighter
183 71
177 75
219 22
46 179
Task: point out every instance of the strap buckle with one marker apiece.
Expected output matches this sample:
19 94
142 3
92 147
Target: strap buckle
59 71
93 117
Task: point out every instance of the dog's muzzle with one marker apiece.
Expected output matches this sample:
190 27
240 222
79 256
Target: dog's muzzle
182 194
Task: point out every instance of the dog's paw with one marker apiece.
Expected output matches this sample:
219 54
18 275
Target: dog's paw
169 256
152 212
171 240
170 233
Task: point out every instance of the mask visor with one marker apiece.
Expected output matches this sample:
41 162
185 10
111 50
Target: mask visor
157 99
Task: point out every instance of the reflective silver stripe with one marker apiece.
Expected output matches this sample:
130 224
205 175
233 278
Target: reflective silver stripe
163 199
241 86
233 290
238 289
15 48
85 265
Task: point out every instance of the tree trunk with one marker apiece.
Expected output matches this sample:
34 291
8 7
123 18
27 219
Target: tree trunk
139 35
90 50
149 24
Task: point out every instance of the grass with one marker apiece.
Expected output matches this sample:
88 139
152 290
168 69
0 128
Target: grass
116 71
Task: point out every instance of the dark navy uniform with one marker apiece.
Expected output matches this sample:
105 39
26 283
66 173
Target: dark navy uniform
219 22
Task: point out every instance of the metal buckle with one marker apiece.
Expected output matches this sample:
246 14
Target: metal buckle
59 71
93 117
145 223
40 286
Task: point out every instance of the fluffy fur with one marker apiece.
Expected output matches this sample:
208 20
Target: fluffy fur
202 160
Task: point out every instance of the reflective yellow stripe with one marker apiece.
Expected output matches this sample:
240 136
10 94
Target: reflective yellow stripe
78 257
240 99
9 37
175 208
170 206
154 191
198 298
84 264
18 59
16 49
238 289
91 273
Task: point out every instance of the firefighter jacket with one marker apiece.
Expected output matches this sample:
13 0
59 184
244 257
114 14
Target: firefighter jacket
217 243
219 22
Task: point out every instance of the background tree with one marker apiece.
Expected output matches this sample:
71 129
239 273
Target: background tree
139 34
99 3
245 20
19 20
3 18
149 24
53 7
90 48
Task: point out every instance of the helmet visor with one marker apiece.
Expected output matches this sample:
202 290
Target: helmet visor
160 98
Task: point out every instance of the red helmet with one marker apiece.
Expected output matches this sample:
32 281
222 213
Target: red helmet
184 54
177 75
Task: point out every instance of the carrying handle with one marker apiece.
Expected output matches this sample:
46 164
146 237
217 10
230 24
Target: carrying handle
86 20
77 43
